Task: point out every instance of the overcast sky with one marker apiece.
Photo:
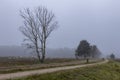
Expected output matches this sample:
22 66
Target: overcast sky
97 21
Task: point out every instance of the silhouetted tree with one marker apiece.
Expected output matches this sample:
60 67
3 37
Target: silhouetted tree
112 56
94 51
83 49
38 25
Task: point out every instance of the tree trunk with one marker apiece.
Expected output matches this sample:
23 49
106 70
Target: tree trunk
87 60
37 50
43 52
38 55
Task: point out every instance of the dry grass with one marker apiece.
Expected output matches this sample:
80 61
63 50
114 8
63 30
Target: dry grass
108 71
24 64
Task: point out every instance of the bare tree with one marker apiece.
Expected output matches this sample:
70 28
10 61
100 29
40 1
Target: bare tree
38 25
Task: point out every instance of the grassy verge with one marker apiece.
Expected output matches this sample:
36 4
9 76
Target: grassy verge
43 66
108 71
22 61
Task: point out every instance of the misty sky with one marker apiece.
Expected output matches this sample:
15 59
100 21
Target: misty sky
97 21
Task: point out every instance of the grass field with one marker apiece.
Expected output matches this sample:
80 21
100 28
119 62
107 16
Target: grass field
18 61
108 71
11 65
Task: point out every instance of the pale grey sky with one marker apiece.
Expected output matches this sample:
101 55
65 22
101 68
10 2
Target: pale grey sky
97 21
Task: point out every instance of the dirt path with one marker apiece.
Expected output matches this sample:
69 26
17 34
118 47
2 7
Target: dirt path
28 73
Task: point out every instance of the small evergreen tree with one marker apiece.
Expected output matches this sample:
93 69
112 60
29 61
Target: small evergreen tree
94 51
86 51
112 56
83 49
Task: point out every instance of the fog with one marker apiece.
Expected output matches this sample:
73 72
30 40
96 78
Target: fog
97 21
18 51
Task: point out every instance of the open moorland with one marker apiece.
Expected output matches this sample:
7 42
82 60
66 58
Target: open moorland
107 71
12 64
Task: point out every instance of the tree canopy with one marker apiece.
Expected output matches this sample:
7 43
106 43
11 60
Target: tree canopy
112 56
83 49
86 50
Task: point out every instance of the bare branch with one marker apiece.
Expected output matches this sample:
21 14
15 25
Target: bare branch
38 25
